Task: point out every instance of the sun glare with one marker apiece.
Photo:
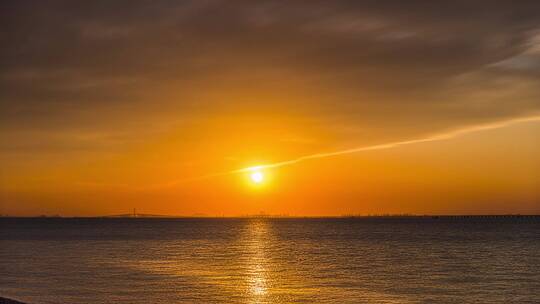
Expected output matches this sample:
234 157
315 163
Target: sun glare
257 177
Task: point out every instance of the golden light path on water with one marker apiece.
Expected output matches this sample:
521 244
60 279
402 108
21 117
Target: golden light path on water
257 270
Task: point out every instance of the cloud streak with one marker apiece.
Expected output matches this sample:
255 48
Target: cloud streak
443 136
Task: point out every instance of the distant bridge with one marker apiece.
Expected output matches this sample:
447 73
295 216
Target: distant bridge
136 215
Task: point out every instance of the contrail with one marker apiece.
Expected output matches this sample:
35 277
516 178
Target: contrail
437 137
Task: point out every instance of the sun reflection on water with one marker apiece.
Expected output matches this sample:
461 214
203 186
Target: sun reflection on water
258 232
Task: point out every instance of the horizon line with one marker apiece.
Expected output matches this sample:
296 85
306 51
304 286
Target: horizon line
153 216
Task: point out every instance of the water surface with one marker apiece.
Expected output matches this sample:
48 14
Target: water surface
261 260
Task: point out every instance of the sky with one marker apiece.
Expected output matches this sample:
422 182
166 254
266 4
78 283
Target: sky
348 107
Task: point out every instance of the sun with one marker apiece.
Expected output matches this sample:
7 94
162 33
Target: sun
257 177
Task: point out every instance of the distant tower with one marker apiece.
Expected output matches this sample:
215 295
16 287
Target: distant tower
134 212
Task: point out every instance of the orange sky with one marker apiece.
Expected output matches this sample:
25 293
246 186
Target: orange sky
492 171
106 109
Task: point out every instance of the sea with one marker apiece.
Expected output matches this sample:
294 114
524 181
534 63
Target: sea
271 260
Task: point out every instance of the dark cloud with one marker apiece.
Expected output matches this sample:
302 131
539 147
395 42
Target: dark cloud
431 64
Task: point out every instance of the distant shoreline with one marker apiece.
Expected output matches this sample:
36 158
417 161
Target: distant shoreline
9 301
465 216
